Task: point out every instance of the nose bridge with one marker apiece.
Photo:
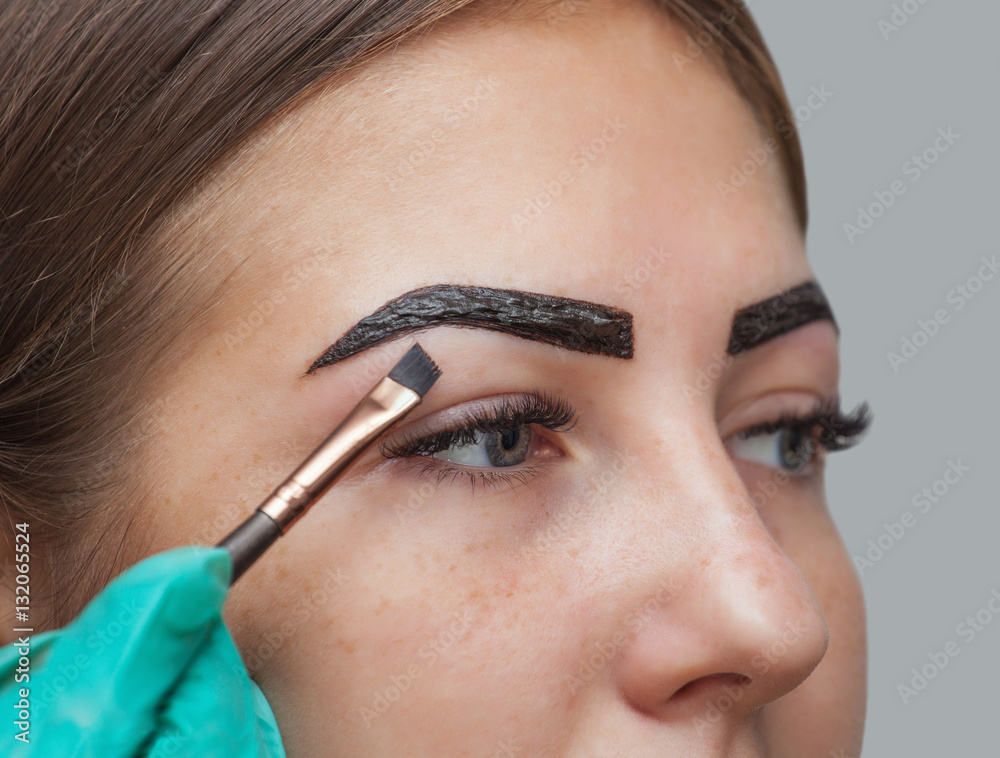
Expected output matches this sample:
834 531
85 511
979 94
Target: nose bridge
761 620
752 588
743 623
697 489
739 569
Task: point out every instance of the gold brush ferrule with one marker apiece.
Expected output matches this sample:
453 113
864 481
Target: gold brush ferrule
379 409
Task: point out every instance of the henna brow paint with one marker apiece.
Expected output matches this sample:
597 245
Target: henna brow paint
572 324
770 318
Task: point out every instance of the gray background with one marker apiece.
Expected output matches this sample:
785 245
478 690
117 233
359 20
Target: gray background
890 96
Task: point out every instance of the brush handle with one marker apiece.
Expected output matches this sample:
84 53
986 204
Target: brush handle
386 403
247 542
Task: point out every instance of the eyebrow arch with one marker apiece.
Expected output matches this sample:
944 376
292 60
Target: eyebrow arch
572 324
777 315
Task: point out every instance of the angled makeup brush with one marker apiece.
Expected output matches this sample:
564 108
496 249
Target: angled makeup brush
389 400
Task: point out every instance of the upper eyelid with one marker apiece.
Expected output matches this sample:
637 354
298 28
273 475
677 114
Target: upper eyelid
452 416
784 421
847 429
822 406
432 424
471 413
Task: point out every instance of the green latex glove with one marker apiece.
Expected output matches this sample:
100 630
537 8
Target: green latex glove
147 669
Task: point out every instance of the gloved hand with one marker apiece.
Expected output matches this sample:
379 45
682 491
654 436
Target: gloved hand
147 669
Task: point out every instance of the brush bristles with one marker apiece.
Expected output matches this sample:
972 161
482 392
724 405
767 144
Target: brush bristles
416 370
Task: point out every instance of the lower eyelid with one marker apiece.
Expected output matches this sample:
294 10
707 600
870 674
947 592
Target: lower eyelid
493 478
522 474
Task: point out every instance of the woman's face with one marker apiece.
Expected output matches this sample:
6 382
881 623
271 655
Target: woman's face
644 583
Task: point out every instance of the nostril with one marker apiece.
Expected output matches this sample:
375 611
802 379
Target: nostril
725 685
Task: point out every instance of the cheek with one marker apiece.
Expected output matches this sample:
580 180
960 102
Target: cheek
370 633
826 712
800 523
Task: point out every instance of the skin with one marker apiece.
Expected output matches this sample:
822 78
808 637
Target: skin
630 599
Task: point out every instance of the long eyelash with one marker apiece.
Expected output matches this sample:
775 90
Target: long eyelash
834 430
490 479
537 407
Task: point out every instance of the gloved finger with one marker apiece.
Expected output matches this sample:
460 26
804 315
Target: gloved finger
268 736
214 710
107 674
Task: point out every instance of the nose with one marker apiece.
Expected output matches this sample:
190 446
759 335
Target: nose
741 627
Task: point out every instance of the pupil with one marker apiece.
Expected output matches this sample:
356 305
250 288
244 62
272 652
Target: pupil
508 447
796 449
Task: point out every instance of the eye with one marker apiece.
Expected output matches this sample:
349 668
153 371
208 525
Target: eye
794 443
504 447
493 441
792 449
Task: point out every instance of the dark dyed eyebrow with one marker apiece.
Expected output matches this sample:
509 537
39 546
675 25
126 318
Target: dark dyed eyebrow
756 324
571 324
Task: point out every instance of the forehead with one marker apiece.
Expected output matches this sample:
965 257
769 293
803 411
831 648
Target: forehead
580 152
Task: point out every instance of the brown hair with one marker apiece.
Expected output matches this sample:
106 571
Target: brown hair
115 114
